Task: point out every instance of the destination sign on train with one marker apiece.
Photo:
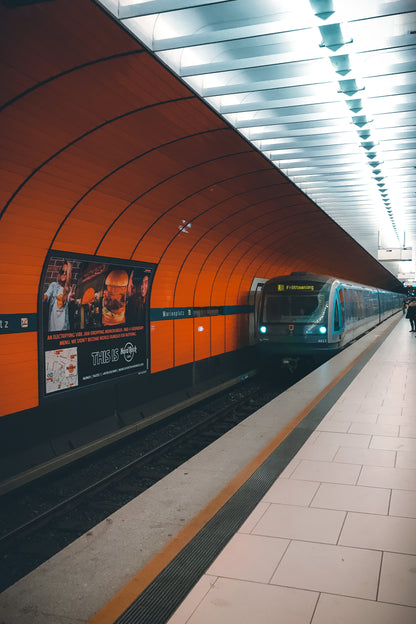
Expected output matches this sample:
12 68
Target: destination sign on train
309 287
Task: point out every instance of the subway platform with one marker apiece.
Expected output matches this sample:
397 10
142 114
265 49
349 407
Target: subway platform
305 513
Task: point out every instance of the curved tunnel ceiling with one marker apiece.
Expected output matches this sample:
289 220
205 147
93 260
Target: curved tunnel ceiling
105 152
324 88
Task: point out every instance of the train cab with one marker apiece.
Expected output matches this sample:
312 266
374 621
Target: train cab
303 315
294 315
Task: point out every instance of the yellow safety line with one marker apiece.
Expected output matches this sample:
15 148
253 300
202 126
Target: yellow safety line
126 596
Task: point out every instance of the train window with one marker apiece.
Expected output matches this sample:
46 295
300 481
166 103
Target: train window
279 308
353 304
348 305
360 304
337 326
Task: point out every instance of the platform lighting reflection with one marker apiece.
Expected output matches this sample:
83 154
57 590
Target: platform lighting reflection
335 37
351 83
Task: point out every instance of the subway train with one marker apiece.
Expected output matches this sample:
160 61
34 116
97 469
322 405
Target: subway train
303 315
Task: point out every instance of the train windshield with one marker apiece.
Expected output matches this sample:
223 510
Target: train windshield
289 302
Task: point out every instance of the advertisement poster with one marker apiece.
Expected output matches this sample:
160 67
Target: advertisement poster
94 321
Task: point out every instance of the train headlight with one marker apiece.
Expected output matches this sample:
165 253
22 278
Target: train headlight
263 329
322 329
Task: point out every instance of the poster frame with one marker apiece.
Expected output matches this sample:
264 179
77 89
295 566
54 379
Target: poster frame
123 264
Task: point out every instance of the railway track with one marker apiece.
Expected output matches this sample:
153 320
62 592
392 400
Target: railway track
44 517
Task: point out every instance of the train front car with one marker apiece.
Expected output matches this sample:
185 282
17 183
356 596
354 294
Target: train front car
295 318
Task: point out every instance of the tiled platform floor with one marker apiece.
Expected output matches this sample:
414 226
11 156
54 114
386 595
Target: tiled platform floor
334 539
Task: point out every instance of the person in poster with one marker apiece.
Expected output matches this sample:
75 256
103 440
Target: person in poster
136 299
59 295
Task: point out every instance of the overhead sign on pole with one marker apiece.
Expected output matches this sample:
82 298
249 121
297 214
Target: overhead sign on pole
398 253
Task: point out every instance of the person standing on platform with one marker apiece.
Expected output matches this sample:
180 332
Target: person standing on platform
411 314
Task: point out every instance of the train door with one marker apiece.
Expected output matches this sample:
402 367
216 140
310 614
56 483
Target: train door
341 293
338 315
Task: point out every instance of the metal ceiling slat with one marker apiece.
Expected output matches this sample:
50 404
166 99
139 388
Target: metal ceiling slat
303 95
283 48
129 9
294 68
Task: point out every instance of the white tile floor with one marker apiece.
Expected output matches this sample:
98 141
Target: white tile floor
334 539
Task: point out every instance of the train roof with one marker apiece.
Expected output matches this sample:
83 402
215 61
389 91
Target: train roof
305 275
302 275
